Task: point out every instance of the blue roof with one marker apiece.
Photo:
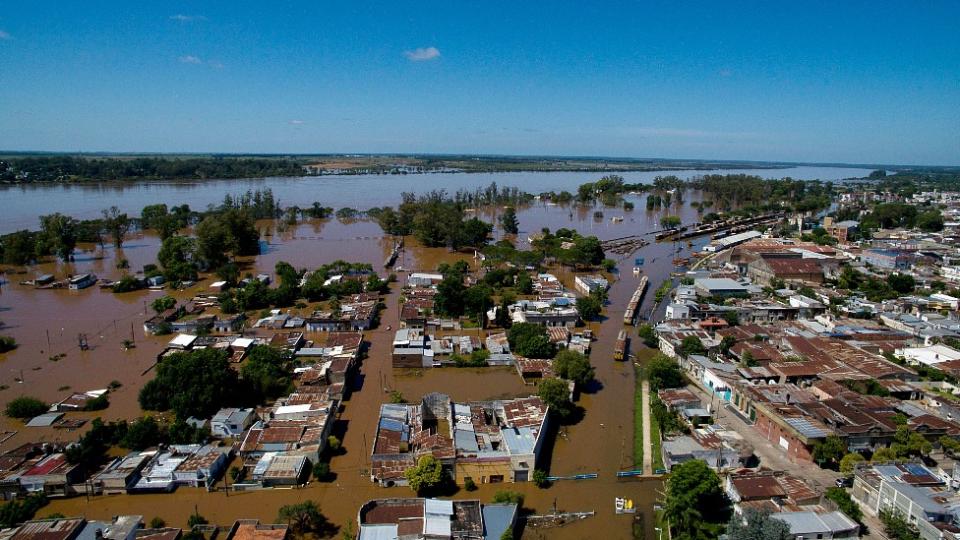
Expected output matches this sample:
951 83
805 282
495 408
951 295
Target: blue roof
466 440
497 518
805 428
519 440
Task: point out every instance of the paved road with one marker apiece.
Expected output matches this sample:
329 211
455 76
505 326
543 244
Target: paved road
647 446
771 456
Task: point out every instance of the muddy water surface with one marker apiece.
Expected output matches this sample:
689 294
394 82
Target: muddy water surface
601 442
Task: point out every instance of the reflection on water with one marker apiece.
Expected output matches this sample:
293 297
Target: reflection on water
24 203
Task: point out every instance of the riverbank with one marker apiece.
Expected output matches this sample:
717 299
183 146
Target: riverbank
26 168
86 200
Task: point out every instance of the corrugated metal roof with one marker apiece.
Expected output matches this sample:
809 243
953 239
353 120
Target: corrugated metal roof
805 428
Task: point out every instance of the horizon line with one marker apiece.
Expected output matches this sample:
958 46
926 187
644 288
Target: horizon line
108 153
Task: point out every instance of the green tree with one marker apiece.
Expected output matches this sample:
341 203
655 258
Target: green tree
503 319
504 496
19 248
540 478
509 222
142 434
266 373
530 340
425 475
524 283
663 372
25 407
574 366
846 505
850 461
669 222
647 334
556 394
897 527
950 445
163 303
902 283
196 519
18 511
757 524
449 299
195 383
303 518
930 221
589 307
883 455
695 505
229 272
177 257
692 345
829 451
7 344
59 233
477 300
116 224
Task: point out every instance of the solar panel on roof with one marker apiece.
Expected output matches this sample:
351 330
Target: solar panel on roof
805 427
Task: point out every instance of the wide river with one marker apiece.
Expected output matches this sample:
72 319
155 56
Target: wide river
23 204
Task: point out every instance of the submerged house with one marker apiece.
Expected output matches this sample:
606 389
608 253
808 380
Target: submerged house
486 442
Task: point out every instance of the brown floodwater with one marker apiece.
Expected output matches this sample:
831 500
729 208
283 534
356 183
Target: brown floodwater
600 443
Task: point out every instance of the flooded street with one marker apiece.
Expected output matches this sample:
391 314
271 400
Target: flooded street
601 443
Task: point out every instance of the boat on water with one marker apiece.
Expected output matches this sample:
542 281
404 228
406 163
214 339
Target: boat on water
82 281
45 279
623 505
636 270
620 349
634 304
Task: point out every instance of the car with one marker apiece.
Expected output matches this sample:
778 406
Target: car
844 482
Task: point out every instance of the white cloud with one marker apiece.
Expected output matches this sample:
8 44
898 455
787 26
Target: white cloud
190 59
179 17
296 122
422 54
5 35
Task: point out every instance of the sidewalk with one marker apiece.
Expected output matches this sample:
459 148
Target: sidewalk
647 444
770 455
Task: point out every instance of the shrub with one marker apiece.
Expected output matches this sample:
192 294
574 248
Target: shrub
26 407
505 496
540 478
7 343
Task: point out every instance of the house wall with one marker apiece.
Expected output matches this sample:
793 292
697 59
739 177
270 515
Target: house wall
407 360
795 449
482 471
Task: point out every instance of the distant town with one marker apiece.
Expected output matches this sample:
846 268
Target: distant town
688 357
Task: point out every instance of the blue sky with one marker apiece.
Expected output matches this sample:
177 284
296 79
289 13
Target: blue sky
856 82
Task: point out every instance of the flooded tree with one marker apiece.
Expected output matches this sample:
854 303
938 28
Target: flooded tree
116 224
574 366
556 395
425 475
304 518
59 235
509 221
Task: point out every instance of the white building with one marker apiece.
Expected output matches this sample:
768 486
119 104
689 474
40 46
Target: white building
928 356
